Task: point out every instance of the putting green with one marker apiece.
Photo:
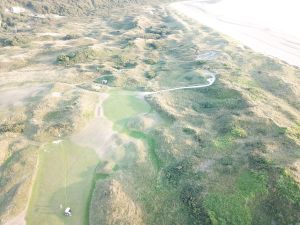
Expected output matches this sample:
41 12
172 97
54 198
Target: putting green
65 178
122 105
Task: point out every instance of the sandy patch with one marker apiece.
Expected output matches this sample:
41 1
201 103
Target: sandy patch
98 132
18 220
56 94
18 96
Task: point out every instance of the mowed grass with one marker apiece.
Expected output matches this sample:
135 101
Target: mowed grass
65 177
122 105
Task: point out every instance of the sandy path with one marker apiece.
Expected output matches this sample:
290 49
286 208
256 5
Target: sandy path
210 81
98 132
263 26
18 220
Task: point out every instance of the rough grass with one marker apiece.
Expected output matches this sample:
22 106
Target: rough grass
152 146
249 183
234 208
80 56
227 209
223 143
65 176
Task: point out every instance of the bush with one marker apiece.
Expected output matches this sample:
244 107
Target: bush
239 132
63 59
226 161
70 37
191 197
176 171
150 61
152 45
150 74
161 31
14 128
125 62
15 41
81 56
258 162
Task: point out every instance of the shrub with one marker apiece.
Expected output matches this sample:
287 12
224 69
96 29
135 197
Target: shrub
150 61
189 131
80 56
15 41
239 132
161 31
63 59
226 161
150 74
70 37
176 171
14 128
191 197
125 62
258 162
152 45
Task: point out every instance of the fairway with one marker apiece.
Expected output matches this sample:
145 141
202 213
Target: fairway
65 177
122 105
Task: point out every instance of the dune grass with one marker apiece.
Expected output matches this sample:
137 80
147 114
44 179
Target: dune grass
65 177
157 163
235 208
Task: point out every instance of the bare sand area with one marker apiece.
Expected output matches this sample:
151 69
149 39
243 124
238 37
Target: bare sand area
266 26
97 132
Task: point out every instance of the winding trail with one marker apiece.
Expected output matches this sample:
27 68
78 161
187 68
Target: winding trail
210 81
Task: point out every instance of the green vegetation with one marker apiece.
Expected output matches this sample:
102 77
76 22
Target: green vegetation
15 41
159 32
65 177
122 105
125 61
206 156
250 183
294 131
283 201
80 56
14 128
155 160
150 74
70 37
224 209
223 143
239 132
18 166
234 208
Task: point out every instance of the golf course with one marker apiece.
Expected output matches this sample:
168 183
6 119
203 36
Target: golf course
147 113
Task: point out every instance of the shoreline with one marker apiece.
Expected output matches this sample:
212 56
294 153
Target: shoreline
262 38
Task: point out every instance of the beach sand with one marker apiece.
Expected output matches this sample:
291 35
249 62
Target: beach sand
268 27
